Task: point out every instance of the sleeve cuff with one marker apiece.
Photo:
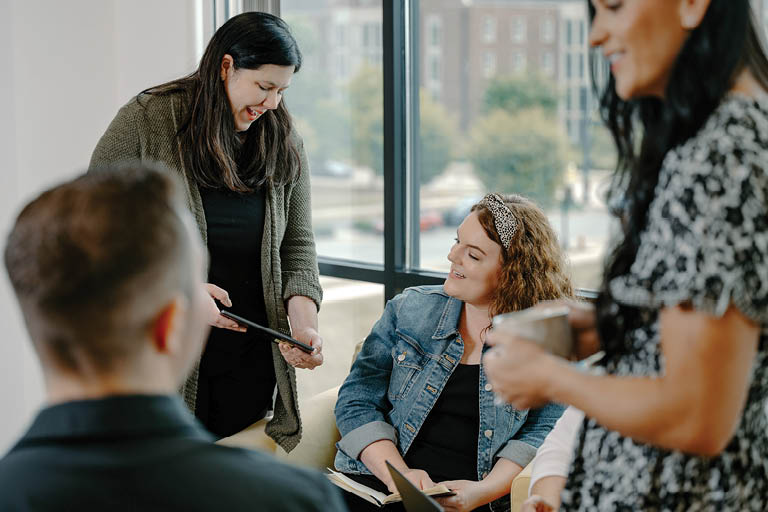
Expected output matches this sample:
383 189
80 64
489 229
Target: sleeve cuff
518 452
302 283
355 441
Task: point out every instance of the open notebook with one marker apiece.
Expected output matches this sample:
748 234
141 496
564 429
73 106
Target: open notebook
379 498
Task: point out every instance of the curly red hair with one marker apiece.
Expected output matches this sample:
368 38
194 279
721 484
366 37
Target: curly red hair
533 268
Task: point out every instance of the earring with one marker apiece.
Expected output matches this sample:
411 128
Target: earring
689 23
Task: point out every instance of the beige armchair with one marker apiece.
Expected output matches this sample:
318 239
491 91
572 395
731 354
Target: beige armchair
317 448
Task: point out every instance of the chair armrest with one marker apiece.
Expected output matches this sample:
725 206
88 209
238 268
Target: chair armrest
519 489
319 434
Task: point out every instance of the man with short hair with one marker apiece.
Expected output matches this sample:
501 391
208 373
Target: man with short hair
108 270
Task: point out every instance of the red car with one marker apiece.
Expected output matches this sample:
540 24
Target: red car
429 219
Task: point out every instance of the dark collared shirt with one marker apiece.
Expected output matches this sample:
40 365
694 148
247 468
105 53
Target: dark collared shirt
145 453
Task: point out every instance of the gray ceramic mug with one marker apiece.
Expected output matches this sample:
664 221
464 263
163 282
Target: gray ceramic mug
546 326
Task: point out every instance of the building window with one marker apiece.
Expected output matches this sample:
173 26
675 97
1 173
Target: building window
519 62
569 32
582 33
548 63
489 29
372 35
434 68
341 35
519 30
548 30
341 66
489 65
434 30
568 66
435 91
581 65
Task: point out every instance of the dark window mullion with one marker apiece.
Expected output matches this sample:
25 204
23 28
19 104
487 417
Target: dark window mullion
395 139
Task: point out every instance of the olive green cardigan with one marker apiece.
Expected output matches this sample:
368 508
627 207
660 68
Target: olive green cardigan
147 132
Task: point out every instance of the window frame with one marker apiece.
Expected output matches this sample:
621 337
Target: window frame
399 37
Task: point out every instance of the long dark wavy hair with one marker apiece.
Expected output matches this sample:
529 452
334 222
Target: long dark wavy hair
646 129
214 154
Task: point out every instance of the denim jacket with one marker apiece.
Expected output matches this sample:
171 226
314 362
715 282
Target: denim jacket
399 374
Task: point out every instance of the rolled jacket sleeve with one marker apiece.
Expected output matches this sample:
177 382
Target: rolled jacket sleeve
519 452
363 403
355 442
522 448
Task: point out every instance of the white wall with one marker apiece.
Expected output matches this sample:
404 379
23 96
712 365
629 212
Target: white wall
66 69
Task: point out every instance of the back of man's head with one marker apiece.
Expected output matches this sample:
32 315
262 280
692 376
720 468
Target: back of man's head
95 260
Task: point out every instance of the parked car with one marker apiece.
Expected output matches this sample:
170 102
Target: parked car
332 169
429 219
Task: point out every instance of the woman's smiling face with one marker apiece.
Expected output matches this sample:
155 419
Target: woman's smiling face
641 40
475 264
252 92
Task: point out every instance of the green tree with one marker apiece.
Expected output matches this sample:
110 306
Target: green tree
520 92
522 153
366 117
603 149
437 136
437 130
321 119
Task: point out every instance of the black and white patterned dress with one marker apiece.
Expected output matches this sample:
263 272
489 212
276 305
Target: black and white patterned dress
706 243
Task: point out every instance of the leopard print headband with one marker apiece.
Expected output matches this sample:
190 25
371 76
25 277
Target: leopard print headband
503 219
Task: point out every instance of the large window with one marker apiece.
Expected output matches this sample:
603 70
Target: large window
337 103
409 116
502 126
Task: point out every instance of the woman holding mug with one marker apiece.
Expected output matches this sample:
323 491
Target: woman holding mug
679 422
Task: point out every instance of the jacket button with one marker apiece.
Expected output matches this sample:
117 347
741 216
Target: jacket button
488 433
401 357
488 387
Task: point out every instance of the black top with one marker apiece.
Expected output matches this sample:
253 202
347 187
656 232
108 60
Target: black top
145 453
446 445
237 375
235 225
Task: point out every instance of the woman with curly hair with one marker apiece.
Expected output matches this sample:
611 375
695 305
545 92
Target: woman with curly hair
417 395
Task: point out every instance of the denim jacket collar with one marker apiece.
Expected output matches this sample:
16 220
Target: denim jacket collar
448 325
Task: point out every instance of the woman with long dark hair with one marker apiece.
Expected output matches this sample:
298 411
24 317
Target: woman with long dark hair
225 131
679 422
